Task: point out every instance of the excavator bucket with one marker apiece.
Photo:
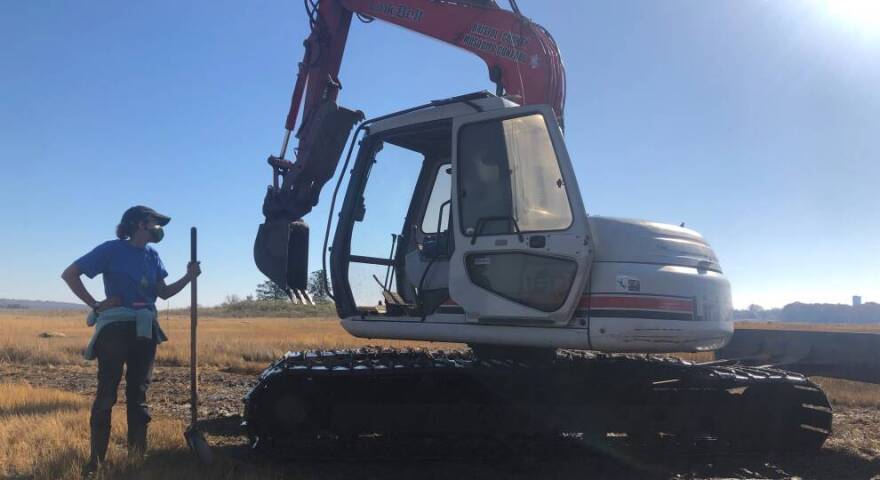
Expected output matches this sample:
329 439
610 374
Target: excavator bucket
281 252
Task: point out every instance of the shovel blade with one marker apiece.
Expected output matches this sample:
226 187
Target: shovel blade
198 445
281 252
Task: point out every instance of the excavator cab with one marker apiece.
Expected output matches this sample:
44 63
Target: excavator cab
495 232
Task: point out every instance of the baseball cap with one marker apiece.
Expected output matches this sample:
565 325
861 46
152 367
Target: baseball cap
139 213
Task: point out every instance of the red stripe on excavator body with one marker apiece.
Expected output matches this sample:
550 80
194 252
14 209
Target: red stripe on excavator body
630 302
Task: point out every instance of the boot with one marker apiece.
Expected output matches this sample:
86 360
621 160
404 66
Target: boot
90 469
99 441
137 440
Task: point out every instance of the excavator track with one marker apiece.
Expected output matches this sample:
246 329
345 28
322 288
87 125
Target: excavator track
311 399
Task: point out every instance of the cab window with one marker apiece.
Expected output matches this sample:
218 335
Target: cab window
509 178
437 210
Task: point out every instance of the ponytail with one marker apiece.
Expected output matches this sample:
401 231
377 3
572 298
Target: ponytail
125 231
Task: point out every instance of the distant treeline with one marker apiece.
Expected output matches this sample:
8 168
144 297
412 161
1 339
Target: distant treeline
234 306
13 306
813 313
38 305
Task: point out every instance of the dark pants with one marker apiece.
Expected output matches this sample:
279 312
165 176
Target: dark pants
118 345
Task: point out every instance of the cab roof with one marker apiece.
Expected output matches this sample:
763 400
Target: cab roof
441 110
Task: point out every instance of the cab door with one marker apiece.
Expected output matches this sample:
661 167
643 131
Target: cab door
522 252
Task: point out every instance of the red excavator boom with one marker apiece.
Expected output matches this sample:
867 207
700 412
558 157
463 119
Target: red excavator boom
523 62
521 55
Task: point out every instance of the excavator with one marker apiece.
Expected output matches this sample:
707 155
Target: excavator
496 251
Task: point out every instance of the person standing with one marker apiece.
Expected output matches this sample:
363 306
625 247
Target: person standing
126 323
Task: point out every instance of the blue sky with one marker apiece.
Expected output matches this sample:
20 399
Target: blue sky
755 122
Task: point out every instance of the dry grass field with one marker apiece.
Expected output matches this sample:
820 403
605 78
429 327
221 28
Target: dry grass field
44 434
244 345
811 327
45 387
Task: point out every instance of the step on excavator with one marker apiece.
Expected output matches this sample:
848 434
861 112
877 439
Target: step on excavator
564 313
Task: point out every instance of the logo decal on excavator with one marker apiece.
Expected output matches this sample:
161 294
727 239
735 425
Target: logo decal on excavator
399 11
482 261
478 43
629 284
491 40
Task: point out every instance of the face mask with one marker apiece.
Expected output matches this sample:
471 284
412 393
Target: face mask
156 234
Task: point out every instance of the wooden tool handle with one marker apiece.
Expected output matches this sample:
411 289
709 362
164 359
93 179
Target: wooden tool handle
194 320
193 233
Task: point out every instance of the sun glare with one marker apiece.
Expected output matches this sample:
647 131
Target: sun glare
862 16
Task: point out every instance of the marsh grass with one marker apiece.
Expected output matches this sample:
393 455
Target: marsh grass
243 344
44 434
847 393
812 327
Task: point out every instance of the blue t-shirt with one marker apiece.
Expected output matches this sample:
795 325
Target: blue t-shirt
130 273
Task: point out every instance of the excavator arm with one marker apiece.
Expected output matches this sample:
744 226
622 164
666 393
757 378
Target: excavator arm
522 58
